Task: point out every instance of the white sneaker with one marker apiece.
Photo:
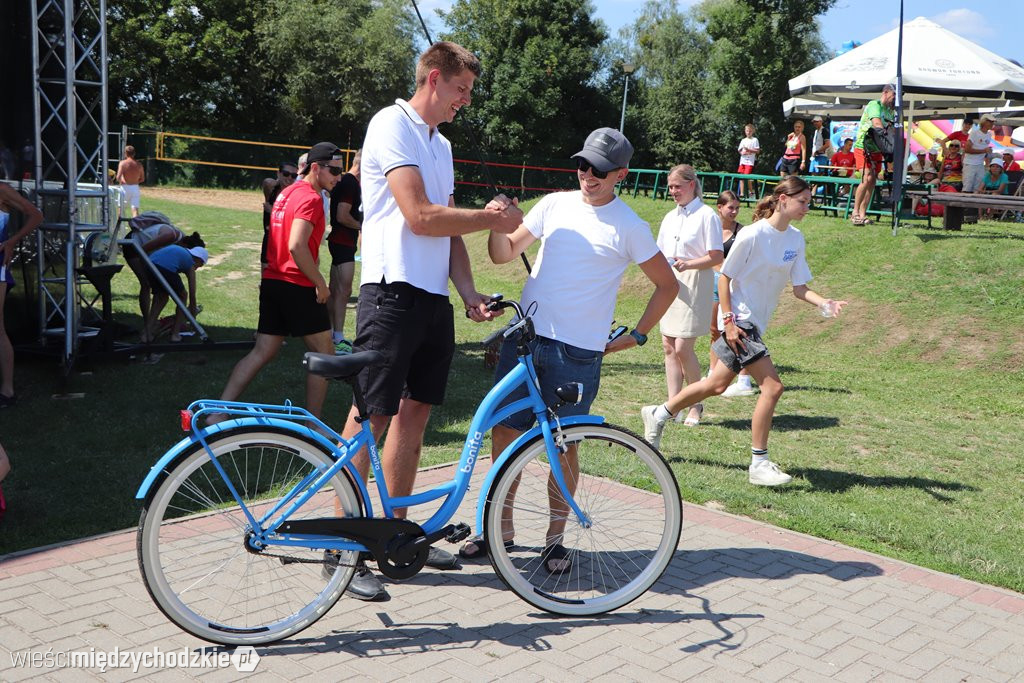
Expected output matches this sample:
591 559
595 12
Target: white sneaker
767 473
652 426
737 389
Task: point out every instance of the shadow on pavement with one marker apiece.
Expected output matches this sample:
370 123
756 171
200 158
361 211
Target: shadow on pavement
689 571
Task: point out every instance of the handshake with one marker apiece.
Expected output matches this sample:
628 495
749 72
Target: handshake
507 214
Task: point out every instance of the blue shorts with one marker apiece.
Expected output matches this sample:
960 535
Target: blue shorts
557 363
718 274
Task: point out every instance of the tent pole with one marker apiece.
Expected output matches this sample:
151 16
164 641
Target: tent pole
896 190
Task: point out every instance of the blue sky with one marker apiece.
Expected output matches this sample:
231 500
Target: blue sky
993 24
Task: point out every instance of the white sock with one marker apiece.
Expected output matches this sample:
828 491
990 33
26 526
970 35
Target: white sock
744 381
337 336
661 413
758 455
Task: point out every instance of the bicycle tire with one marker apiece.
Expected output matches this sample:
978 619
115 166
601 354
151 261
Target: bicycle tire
630 495
191 540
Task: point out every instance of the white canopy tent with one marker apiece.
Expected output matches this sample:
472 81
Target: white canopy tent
941 71
836 108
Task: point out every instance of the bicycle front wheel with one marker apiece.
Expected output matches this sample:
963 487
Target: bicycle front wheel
192 547
631 501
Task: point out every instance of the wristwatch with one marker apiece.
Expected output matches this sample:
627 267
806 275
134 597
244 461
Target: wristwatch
641 339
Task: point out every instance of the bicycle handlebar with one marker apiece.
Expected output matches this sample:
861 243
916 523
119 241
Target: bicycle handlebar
497 303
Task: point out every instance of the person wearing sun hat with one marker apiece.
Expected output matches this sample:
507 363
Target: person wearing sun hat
1009 165
995 181
917 166
821 146
951 170
976 151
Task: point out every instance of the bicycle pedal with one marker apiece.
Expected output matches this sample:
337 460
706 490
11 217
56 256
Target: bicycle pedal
459 533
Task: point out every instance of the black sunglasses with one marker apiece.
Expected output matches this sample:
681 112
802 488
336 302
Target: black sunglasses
582 165
335 170
287 174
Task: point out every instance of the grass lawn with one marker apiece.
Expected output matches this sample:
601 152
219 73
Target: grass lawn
901 422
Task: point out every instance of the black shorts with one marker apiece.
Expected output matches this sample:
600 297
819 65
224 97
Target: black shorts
263 245
754 348
288 309
341 253
173 279
415 330
790 165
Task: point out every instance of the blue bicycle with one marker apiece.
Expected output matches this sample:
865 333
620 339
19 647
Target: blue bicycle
251 528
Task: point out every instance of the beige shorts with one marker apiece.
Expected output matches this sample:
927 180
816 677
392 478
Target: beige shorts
689 316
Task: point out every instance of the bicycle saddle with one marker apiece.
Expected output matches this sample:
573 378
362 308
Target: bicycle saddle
340 367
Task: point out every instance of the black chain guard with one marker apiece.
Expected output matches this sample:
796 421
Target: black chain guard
384 538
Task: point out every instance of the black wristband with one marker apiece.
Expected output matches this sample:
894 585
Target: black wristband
641 339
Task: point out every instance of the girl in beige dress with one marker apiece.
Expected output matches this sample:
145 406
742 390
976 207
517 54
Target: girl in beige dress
691 239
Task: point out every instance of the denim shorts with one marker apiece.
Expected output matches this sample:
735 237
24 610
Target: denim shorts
754 349
557 363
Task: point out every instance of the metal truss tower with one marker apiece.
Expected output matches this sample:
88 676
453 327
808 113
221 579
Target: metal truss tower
69 52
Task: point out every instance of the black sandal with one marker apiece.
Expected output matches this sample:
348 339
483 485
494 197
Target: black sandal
481 548
557 553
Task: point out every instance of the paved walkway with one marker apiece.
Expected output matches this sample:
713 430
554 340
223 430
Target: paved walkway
742 600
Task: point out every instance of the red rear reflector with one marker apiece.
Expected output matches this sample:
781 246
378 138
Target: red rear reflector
186 420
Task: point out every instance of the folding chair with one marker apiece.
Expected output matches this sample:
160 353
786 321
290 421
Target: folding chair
1015 189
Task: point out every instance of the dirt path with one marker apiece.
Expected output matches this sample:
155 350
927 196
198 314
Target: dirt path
243 200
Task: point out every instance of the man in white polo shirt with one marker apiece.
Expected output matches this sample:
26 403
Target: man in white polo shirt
976 150
412 246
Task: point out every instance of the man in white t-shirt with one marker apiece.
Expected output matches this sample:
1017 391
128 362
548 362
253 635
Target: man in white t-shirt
588 238
821 146
976 150
412 246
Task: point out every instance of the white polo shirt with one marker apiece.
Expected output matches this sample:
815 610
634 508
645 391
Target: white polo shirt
690 231
397 136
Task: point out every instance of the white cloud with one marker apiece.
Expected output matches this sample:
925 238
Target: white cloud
965 22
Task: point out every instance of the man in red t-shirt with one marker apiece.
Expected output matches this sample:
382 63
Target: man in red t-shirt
293 293
957 135
845 158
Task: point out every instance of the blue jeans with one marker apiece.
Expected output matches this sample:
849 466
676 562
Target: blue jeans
557 363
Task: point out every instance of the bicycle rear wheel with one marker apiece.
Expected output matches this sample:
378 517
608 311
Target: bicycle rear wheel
191 540
629 494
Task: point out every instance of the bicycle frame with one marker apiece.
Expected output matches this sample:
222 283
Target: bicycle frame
305 424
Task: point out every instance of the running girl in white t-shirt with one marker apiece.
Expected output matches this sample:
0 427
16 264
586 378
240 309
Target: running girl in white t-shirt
766 256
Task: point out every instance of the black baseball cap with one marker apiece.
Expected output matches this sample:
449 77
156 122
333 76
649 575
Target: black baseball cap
323 151
606 149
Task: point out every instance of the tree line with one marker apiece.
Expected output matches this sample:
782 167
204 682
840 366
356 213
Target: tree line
302 70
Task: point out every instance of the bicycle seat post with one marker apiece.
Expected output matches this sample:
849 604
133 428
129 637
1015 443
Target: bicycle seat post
357 398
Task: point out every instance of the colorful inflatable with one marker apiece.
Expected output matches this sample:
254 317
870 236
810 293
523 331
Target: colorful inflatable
929 133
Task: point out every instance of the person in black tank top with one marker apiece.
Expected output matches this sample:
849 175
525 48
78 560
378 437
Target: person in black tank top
728 209
272 187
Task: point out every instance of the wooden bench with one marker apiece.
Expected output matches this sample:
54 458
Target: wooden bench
956 202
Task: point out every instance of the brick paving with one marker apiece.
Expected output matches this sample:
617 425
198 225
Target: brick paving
742 600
